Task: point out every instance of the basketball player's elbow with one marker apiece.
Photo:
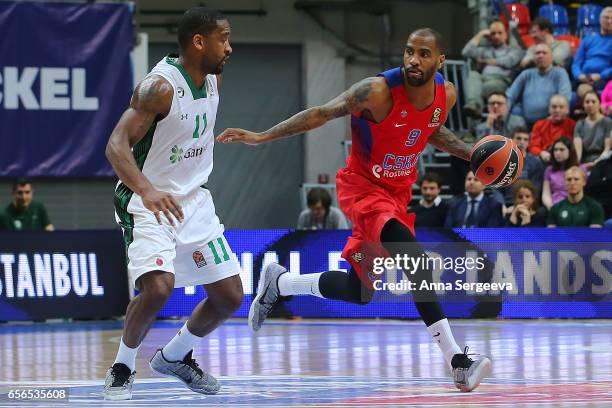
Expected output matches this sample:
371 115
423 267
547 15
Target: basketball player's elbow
113 148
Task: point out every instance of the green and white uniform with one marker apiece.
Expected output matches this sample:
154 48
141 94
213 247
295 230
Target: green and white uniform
176 155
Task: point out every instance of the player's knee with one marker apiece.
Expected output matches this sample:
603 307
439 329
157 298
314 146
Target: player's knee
158 287
229 302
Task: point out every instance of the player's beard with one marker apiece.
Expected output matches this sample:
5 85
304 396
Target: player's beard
422 81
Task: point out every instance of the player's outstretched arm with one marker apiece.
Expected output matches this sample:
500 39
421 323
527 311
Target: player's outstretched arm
151 99
357 98
446 140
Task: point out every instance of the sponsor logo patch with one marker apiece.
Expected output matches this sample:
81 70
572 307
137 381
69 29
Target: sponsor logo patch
198 258
358 257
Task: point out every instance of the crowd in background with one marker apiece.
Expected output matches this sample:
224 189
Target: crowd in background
555 102
557 107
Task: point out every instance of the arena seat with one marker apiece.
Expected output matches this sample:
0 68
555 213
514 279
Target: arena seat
587 19
557 15
520 14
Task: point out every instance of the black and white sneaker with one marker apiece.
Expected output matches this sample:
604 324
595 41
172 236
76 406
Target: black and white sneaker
268 295
187 371
468 373
118 383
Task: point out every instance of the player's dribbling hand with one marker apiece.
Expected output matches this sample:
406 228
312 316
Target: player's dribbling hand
159 202
233 135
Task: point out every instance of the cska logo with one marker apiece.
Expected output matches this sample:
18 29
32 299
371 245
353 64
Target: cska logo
435 118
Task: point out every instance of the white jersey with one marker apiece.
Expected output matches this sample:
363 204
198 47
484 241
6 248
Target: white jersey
176 154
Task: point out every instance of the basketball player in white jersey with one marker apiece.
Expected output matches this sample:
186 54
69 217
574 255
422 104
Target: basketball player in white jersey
162 151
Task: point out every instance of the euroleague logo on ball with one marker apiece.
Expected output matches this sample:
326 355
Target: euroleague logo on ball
490 170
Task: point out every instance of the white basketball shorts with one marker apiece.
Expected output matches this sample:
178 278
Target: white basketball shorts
194 250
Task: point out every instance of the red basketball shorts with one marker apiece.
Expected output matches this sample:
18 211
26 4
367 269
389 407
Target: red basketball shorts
369 207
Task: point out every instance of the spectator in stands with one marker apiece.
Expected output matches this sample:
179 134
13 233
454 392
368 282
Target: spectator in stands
525 212
599 185
563 157
496 61
530 93
320 213
24 213
578 209
542 32
431 209
474 209
499 121
533 167
593 134
593 60
546 131
606 99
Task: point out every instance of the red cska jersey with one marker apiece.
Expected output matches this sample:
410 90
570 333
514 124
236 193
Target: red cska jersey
387 152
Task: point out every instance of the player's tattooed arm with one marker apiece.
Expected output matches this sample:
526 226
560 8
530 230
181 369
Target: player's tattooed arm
151 101
443 138
448 142
360 96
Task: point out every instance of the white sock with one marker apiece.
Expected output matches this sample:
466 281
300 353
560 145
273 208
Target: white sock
442 334
292 284
180 345
127 355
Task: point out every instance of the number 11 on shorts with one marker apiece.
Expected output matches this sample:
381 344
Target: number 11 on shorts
213 249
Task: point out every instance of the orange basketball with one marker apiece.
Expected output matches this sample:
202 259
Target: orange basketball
496 161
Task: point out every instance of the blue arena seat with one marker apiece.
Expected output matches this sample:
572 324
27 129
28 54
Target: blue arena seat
557 15
587 20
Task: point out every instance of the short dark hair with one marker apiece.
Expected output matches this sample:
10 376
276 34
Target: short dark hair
197 20
498 94
22 181
431 178
520 129
319 194
430 32
544 24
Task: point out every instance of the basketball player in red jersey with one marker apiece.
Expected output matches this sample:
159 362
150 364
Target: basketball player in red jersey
393 117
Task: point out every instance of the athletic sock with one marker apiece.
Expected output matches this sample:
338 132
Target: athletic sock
442 334
180 345
307 284
126 355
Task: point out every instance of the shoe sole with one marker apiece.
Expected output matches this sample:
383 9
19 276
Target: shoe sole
198 390
117 396
483 370
260 292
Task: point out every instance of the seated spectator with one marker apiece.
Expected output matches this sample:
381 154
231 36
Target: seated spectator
320 213
606 99
593 60
592 135
431 209
546 131
577 210
542 32
563 157
496 62
474 209
499 121
533 167
525 211
530 93
24 213
599 184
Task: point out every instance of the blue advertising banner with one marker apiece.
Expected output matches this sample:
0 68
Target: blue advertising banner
65 79
539 273
62 274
